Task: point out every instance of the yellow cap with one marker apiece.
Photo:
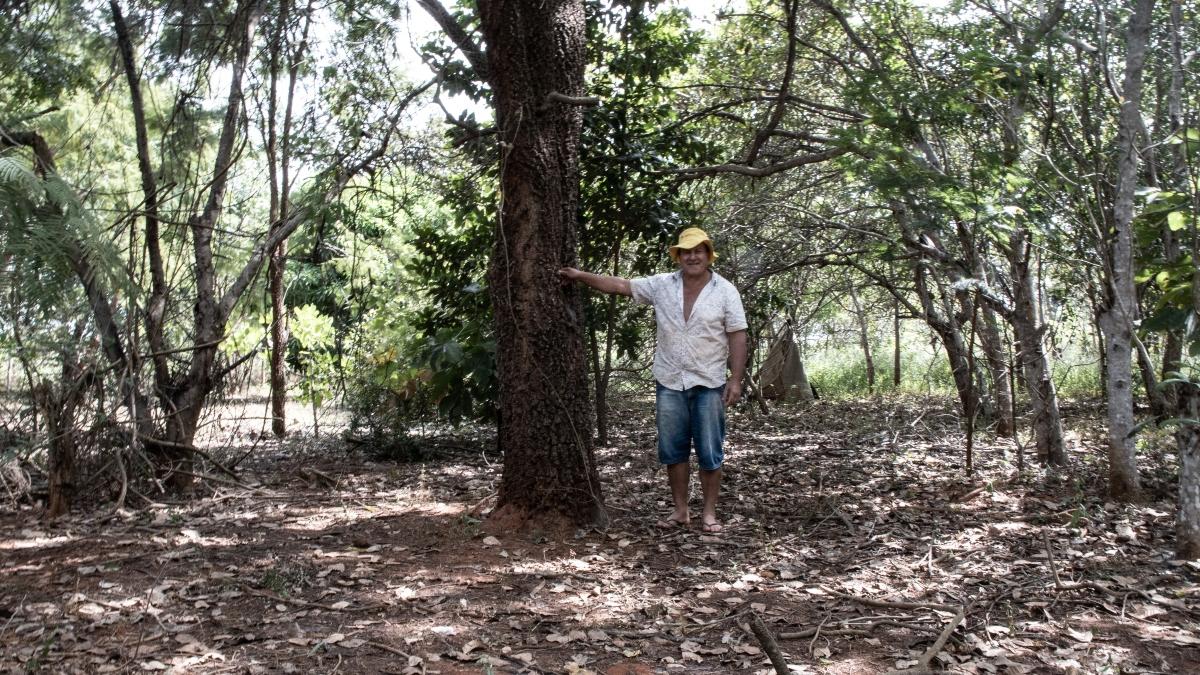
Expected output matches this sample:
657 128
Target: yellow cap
689 239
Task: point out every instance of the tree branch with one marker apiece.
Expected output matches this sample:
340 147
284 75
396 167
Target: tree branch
850 33
583 101
465 43
43 156
692 173
789 69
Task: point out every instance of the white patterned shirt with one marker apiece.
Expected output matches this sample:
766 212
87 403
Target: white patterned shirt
692 352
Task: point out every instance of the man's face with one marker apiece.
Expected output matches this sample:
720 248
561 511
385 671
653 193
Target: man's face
694 260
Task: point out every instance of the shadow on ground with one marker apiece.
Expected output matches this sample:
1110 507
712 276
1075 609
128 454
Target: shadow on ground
852 530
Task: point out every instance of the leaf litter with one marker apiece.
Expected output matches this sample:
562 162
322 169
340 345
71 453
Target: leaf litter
854 543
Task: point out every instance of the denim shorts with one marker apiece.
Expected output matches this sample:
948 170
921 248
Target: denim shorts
690 417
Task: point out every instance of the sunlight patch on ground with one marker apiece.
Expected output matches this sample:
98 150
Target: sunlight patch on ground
189 536
34 540
435 509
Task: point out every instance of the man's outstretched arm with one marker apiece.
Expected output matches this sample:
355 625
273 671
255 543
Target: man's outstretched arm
600 282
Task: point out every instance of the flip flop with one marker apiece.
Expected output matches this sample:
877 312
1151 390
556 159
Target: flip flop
712 528
671 523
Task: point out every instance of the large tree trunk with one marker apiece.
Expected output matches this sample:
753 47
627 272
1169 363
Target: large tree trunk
1120 308
1187 524
535 50
1035 366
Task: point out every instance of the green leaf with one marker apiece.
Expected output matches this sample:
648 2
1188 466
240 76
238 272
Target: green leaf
312 329
1177 220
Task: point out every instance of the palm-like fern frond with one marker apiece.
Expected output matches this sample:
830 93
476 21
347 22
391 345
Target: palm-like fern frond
41 221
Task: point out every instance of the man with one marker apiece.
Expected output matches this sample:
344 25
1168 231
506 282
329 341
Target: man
701 326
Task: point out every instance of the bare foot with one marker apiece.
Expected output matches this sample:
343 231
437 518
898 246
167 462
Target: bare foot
712 526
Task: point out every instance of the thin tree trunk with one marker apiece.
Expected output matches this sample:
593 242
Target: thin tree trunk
895 344
941 320
275 267
603 370
983 319
600 383
1026 318
864 339
1154 394
58 410
1173 347
186 399
1187 522
1116 318
997 363
111 341
1035 367
157 302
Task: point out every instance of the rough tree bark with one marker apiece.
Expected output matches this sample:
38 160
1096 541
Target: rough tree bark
535 65
1120 306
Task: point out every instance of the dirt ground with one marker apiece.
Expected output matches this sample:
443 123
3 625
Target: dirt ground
854 539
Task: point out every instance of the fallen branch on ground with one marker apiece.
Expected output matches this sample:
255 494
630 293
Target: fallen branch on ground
768 643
